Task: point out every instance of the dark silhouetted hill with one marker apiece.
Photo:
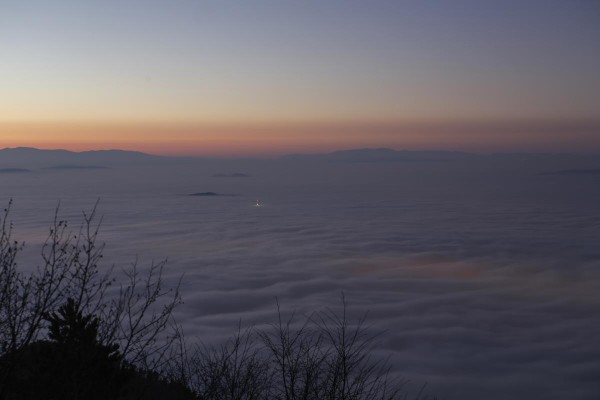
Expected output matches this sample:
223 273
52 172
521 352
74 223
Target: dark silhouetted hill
562 163
74 364
27 157
384 155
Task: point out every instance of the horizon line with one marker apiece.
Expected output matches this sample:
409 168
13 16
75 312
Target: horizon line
308 153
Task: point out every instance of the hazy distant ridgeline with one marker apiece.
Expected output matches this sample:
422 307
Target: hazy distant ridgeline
390 155
24 158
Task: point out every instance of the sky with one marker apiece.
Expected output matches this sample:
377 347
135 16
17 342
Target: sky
258 77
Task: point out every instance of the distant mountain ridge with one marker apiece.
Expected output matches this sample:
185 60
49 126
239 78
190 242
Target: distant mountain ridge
29 156
385 154
381 154
391 155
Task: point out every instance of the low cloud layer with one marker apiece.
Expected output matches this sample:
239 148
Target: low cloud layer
482 277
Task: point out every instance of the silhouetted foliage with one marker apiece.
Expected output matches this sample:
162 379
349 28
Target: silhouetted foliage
74 364
58 321
325 356
66 334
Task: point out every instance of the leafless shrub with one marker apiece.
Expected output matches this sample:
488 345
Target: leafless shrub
138 317
235 370
349 370
321 356
297 357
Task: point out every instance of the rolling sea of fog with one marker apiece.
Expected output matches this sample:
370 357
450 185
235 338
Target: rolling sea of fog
482 273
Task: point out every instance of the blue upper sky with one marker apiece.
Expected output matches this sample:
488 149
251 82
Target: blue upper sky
215 62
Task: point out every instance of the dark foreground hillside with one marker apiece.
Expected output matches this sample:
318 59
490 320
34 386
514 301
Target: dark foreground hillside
73 364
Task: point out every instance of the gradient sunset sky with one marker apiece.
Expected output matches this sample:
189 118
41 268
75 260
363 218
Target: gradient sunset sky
255 77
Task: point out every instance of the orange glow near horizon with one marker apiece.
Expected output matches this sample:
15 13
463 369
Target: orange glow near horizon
266 78
256 139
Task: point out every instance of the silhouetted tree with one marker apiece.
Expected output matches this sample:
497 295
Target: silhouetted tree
138 318
235 370
74 364
322 357
65 334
